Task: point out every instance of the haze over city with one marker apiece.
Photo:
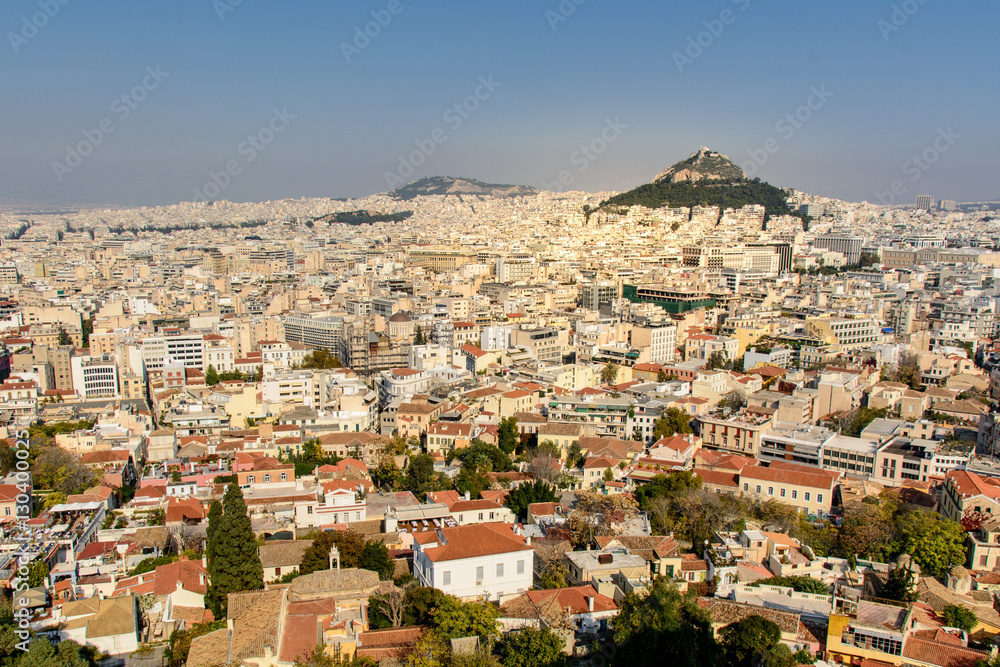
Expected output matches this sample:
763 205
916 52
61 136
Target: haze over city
675 76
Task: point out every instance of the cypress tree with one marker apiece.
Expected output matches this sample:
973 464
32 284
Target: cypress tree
214 514
235 564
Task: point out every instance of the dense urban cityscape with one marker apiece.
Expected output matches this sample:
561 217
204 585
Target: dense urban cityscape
460 415
570 334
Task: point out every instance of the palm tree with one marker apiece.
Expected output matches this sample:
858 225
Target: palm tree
609 373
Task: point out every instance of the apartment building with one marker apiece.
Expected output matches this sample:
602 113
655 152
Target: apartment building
658 340
808 489
739 433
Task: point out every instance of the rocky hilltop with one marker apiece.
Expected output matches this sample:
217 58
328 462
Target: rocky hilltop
703 164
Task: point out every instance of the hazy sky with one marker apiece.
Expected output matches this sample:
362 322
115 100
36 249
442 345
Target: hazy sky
153 97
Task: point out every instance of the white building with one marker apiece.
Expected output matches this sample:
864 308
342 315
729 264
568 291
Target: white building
95 377
485 560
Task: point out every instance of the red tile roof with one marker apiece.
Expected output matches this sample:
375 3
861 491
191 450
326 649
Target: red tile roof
482 539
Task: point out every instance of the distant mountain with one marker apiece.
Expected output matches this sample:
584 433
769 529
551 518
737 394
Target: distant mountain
703 164
706 178
449 185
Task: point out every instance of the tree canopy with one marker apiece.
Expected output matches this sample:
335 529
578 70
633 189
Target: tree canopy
235 564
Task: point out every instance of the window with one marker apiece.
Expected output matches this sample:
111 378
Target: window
983 560
357 516
267 478
781 493
491 516
758 488
746 487
480 516
807 496
446 579
499 570
284 476
479 575
819 497
277 571
770 490
795 494
309 509
520 567
251 479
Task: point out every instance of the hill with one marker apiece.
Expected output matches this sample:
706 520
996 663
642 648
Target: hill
449 185
706 178
703 164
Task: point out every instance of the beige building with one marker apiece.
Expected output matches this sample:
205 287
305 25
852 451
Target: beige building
808 489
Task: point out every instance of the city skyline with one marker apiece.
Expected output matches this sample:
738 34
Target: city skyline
319 101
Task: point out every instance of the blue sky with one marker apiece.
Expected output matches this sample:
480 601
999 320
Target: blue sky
895 76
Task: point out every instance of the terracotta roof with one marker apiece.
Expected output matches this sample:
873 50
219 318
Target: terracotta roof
814 480
545 603
939 653
718 477
482 539
283 553
473 505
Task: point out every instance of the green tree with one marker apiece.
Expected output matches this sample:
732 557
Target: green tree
53 499
661 375
554 575
480 454
312 450
418 337
235 565
350 544
375 557
214 516
419 476
320 359
747 641
957 616
899 585
508 437
41 653
64 338
386 474
609 373
537 492
453 618
671 422
663 627
38 571
718 360
211 376
532 648
933 543
801 584
150 564
472 481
